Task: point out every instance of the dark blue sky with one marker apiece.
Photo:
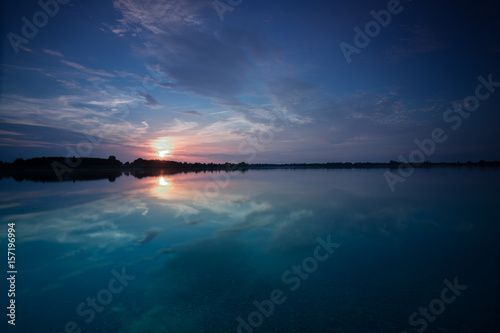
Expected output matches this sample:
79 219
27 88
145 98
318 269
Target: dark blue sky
269 82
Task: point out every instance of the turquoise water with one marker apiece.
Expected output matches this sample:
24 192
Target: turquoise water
260 251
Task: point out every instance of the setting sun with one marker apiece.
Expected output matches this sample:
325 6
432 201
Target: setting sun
163 147
163 153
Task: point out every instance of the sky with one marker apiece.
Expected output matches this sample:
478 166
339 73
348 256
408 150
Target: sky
250 80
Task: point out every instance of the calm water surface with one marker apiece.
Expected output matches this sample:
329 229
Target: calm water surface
261 251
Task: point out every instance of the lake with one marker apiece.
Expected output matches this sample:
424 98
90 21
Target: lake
259 251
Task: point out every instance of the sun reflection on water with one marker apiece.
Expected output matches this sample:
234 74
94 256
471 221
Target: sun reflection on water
163 182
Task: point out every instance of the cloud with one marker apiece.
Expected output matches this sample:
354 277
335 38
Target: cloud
291 91
193 222
148 236
87 70
127 74
68 83
293 96
159 253
9 133
191 112
156 15
199 63
220 65
54 53
71 116
24 48
181 126
14 142
148 99
52 75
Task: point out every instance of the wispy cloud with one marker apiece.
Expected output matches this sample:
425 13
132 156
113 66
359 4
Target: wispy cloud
24 48
14 142
216 64
157 16
66 82
54 53
9 133
149 100
148 236
72 114
191 112
87 70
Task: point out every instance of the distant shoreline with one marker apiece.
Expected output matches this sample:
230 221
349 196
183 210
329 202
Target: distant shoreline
54 169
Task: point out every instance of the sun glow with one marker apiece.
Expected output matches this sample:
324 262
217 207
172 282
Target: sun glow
163 147
163 153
